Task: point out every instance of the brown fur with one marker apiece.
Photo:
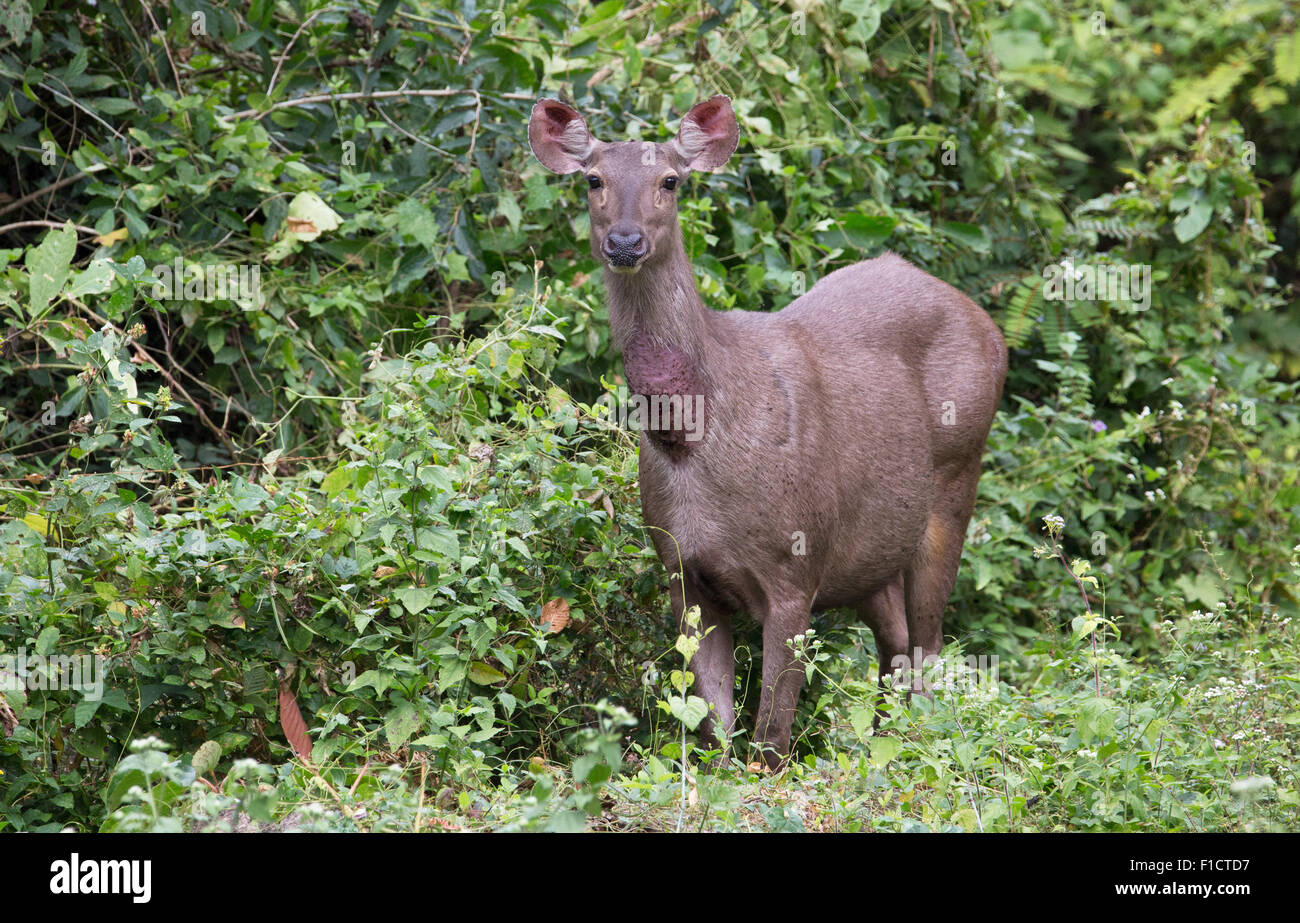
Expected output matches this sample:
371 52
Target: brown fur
856 417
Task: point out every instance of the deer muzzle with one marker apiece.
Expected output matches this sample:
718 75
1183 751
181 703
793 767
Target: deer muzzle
624 249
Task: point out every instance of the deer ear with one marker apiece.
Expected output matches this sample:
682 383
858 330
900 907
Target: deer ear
708 134
559 137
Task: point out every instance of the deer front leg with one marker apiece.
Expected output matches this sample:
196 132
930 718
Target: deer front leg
713 665
782 680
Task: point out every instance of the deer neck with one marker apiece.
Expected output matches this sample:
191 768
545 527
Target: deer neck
660 325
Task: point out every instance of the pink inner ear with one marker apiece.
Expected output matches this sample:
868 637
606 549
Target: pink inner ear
557 119
709 117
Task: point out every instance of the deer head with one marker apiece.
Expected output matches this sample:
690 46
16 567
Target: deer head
632 185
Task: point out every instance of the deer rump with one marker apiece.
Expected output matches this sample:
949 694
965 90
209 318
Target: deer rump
836 457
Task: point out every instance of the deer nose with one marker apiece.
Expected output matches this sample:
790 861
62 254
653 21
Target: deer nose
624 246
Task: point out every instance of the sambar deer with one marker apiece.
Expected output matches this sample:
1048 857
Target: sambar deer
839 449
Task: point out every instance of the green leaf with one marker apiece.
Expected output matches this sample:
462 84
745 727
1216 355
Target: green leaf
415 221
84 711
16 17
246 41
77 66
206 757
857 231
861 719
401 723
485 674
884 749
336 481
967 818
1286 59
115 105
689 711
1016 48
457 267
866 14
508 206
437 543
415 599
970 235
47 641
379 680
47 266
1194 220
95 280
1202 588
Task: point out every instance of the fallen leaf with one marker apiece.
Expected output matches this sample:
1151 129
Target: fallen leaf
295 729
555 615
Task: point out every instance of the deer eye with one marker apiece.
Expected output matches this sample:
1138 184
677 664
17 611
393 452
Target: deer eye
670 183
593 181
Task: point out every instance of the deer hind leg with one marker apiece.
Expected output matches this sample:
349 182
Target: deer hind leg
885 614
929 578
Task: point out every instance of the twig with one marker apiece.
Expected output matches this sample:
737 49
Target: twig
276 73
649 43
361 775
66 181
473 134
162 34
53 187
416 138
257 115
45 224
72 101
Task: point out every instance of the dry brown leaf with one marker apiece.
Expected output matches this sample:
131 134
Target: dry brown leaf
112 237
8 720
295 729
555 615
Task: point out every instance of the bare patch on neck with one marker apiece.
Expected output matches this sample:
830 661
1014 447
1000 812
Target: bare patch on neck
654 367
669 378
